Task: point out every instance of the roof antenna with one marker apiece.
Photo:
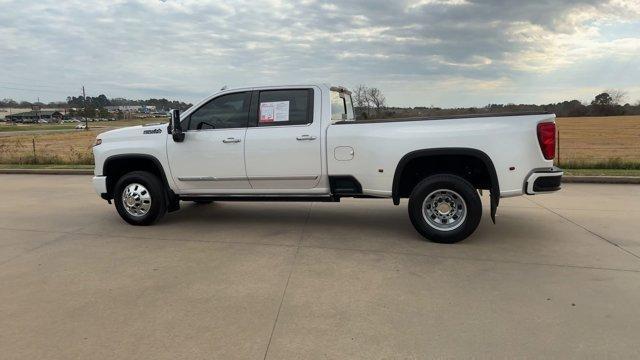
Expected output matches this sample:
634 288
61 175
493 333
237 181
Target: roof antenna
224 88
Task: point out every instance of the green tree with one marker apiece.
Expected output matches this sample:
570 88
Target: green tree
603 99
604 105
103 113
100 101
89 112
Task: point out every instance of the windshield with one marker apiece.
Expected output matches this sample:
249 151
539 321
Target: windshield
341 106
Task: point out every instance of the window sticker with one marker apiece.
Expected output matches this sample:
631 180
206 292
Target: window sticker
274 111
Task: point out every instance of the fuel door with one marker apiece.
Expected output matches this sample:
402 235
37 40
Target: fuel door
343 153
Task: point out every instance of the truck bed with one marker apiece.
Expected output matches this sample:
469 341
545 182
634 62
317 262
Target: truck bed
377 145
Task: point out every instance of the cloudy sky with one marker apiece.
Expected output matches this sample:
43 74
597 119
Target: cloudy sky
418 52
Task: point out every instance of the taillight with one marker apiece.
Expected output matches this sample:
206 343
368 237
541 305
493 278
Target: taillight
547 139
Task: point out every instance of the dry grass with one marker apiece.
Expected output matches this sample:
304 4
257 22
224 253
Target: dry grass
58 148
51 148
613 140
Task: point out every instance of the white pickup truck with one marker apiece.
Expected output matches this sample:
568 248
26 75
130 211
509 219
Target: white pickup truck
302 143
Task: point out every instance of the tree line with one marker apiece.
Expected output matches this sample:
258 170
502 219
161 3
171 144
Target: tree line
96 103
370 102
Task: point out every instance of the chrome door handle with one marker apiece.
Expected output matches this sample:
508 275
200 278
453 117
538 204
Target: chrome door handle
230 140
305 137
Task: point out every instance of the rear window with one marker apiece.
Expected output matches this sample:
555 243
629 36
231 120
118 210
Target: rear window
341 106
285 107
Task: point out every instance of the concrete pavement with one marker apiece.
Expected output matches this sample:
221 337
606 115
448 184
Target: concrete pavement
558 276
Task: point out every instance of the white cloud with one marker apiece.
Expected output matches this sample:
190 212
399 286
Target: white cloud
419 3
188 49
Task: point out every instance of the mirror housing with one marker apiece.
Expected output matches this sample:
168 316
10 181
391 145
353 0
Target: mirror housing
176 127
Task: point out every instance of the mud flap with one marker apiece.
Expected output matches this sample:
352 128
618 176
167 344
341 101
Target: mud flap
173 202
495 199
173 206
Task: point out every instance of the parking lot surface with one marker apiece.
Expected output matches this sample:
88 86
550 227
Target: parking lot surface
557 276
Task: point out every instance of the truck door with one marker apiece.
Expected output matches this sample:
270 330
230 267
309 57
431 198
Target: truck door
211 157
283 145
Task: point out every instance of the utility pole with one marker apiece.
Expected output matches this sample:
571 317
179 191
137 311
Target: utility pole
84 105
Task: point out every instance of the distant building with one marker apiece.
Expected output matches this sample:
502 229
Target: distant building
131 108
34 116
9 111
147 109
124 108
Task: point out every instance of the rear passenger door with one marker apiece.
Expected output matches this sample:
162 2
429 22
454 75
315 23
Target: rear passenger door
283 144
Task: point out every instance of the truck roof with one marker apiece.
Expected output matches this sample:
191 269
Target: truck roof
260 86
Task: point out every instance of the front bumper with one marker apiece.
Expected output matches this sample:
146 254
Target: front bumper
100 184
543 181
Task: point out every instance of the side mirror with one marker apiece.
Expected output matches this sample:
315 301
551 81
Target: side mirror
176 127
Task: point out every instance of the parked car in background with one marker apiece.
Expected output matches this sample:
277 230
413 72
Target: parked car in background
81 126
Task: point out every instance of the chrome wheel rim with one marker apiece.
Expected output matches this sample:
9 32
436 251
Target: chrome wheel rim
444 210
136 199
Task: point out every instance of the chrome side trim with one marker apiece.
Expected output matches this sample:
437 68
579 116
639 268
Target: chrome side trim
303 177
213 178
210 178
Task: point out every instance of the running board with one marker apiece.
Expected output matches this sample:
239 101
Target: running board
263 198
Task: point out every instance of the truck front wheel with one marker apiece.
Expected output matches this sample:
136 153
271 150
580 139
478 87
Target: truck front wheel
445 208
140 198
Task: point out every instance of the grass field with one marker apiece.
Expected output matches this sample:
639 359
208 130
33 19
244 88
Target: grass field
56 148
45 166
598 143
31 127
607 142
602 172
48 148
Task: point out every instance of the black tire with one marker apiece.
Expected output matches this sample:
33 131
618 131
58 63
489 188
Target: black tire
455 185
156 191
203 202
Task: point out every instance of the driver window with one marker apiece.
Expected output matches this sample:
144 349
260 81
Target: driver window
224 112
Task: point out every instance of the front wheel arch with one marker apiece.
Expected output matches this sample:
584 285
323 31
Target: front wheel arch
116 166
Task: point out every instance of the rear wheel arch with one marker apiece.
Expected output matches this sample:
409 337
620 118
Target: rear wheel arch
402 185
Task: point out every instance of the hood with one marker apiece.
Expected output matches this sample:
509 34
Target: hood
134 131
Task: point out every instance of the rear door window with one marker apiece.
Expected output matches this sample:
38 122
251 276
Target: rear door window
285 107
341 106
